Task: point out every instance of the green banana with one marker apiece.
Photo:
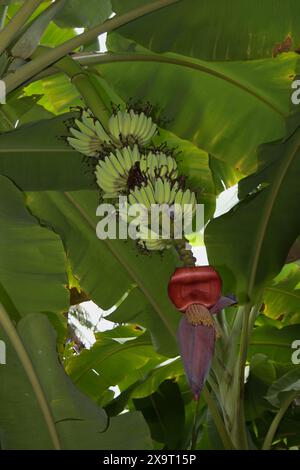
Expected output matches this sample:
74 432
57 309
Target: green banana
131 126
159 165
159 191
115 168
88 136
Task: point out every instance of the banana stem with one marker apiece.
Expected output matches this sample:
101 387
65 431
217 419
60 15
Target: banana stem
239 423
3 13
185 254
231 379
82 82
276 421
195 429
16 23
252 318
224 436
34 67
224 325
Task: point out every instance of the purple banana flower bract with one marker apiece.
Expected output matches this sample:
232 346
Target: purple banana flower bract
197 343
223 302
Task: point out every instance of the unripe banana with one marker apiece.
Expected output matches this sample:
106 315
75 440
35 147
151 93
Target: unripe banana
126 125
146 128
186 197
150 193
89 135
146 200
84 129
159 191
135 154
114 127
162 192
174 190
101 132
167 190
126 153
158 165
81 147
131 198
178 197
117 163
88 120
134 122
142 124
115 168
110 167
79 135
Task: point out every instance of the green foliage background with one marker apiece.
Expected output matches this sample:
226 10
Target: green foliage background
224 95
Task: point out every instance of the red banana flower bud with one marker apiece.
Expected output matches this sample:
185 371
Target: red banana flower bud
195 290
194 285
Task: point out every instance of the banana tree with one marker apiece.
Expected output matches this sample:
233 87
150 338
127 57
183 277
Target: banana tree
166 114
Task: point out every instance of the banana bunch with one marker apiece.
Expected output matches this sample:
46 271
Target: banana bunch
125 127
172 205
158 192
112 172
159 165
148 178
152 241
131 127
89 135
185 200
153 200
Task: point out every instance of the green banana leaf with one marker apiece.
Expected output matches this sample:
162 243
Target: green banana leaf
214 29
58 94
78 14
262 373
226 109
145 386
166 426
37 157
107 269
275 343
20 110
32 268
110 360
285 388
250 243
40 408
30 37
282 296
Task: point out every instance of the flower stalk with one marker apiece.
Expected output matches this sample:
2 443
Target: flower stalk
85 87
12 28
